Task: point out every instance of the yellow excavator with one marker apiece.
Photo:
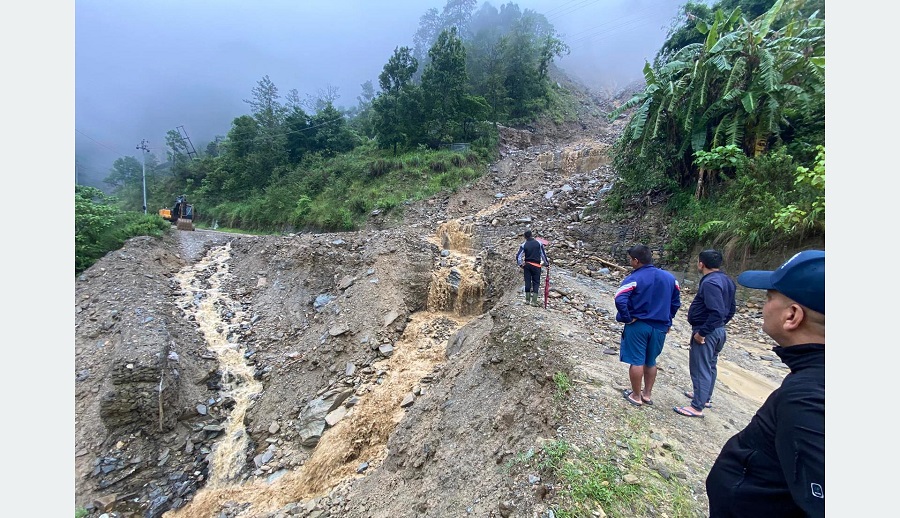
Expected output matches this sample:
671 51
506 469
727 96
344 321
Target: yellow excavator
181 215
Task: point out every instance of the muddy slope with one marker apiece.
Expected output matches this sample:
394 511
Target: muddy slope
393 371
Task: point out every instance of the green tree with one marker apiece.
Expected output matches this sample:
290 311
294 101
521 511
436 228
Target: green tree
397 108
531 46
300 134
455 13
212 149
269 145
425 36
332 134
177 154
265 105
458 13
126 178
485 59
444 85
237 171
95 216
398 72
361 115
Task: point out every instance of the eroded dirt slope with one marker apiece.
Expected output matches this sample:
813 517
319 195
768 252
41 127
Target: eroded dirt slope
388 372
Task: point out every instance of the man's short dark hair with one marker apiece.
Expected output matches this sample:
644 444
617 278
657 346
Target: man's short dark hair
527 234
711 258
642 253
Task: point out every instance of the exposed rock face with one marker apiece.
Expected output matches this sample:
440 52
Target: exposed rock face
581 158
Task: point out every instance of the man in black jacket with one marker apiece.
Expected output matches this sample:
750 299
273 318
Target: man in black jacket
711 309
776 465
531 257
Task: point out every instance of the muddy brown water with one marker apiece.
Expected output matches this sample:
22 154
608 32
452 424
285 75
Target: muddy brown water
455 297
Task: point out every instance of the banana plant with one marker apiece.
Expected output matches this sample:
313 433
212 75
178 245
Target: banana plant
735 88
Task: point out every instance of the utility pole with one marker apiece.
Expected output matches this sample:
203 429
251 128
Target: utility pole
143 147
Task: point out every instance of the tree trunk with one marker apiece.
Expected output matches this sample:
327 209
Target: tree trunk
759 146
701 188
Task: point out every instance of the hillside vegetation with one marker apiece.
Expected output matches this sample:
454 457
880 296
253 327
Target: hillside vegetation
728 132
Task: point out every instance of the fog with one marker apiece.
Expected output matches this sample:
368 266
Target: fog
142 69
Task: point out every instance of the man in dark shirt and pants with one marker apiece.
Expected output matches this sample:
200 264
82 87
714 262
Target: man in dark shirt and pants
776 465
711 309
531 257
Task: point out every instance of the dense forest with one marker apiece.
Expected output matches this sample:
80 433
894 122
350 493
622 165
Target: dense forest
728 132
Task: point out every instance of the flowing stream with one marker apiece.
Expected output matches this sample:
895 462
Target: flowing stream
456 295
214 313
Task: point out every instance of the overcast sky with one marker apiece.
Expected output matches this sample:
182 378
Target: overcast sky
143 68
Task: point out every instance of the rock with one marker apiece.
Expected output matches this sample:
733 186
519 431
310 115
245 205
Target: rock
408 400
338 329
336 415
273 428
390 317
105 502
664 472
346 282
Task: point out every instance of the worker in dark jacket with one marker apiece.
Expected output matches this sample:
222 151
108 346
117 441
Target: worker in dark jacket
531 257
776 465
711 309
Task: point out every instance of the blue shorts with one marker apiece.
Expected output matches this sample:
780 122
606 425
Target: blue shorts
641 344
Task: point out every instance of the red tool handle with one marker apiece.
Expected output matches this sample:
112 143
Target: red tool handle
546 286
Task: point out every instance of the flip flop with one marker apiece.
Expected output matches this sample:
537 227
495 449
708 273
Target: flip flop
627 395
690 395
646 401
686 411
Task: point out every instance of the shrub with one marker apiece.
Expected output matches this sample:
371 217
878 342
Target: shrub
101 227
438 166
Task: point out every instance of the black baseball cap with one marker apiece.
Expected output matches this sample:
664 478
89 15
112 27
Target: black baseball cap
801 278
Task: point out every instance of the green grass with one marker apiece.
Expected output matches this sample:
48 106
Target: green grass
588 479
81 512
340 193
230 230
521 459
563 385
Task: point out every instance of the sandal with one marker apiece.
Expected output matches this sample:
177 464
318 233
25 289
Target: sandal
627 395
687 411
690 395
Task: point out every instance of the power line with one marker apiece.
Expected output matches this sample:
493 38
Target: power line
258 138
613 22
554 10
605 35
99 143
574 8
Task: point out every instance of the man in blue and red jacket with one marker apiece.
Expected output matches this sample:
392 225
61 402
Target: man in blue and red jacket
646 303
